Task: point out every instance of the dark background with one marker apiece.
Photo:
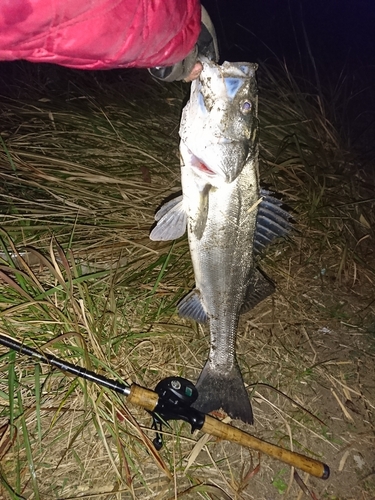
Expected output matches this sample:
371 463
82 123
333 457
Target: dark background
328 45
339 32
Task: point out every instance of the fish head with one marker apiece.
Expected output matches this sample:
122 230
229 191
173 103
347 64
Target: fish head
219 124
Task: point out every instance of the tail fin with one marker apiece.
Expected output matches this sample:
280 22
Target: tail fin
223 390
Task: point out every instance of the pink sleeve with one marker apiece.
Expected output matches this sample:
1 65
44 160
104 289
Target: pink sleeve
99 34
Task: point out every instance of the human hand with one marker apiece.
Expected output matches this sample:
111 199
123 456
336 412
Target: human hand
195 72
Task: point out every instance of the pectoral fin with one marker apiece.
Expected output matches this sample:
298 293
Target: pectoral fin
191 307
171 218
259 288
171 221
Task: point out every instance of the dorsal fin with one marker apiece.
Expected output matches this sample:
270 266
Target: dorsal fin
272 221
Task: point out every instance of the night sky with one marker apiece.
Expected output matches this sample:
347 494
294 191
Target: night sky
339 32
337 36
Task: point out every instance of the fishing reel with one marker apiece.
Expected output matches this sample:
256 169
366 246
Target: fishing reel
176 395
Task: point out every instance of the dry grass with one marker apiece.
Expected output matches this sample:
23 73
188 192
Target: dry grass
84 164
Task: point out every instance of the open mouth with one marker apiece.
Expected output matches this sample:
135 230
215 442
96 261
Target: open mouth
199 165
203 168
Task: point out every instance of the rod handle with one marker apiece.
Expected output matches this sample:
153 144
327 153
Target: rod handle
224 431
143 397
148 399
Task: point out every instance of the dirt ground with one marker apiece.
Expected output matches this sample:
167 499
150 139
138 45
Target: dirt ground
317 345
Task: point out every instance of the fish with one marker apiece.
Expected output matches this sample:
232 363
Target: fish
230 220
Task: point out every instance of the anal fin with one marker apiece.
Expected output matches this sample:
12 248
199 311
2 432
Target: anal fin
260 287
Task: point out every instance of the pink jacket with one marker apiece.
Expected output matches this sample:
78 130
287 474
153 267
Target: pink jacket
99 34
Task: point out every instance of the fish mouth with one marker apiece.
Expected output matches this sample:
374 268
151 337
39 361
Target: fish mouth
221 158
217 169
199 165
202 167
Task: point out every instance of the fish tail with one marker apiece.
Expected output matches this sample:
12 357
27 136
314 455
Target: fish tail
223 390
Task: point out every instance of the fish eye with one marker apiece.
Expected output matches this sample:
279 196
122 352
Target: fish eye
246 107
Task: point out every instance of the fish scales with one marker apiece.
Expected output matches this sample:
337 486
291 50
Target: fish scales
220 207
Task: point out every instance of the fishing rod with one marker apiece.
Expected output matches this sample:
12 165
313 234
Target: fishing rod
172 400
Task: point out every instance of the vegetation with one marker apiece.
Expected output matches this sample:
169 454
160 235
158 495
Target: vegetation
85 160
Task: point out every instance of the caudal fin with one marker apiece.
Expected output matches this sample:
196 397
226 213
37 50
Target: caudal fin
223 390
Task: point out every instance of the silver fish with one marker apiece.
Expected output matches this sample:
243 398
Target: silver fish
229 219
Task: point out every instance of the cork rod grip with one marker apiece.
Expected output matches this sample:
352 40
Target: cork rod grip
219 429
149 399
143 397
